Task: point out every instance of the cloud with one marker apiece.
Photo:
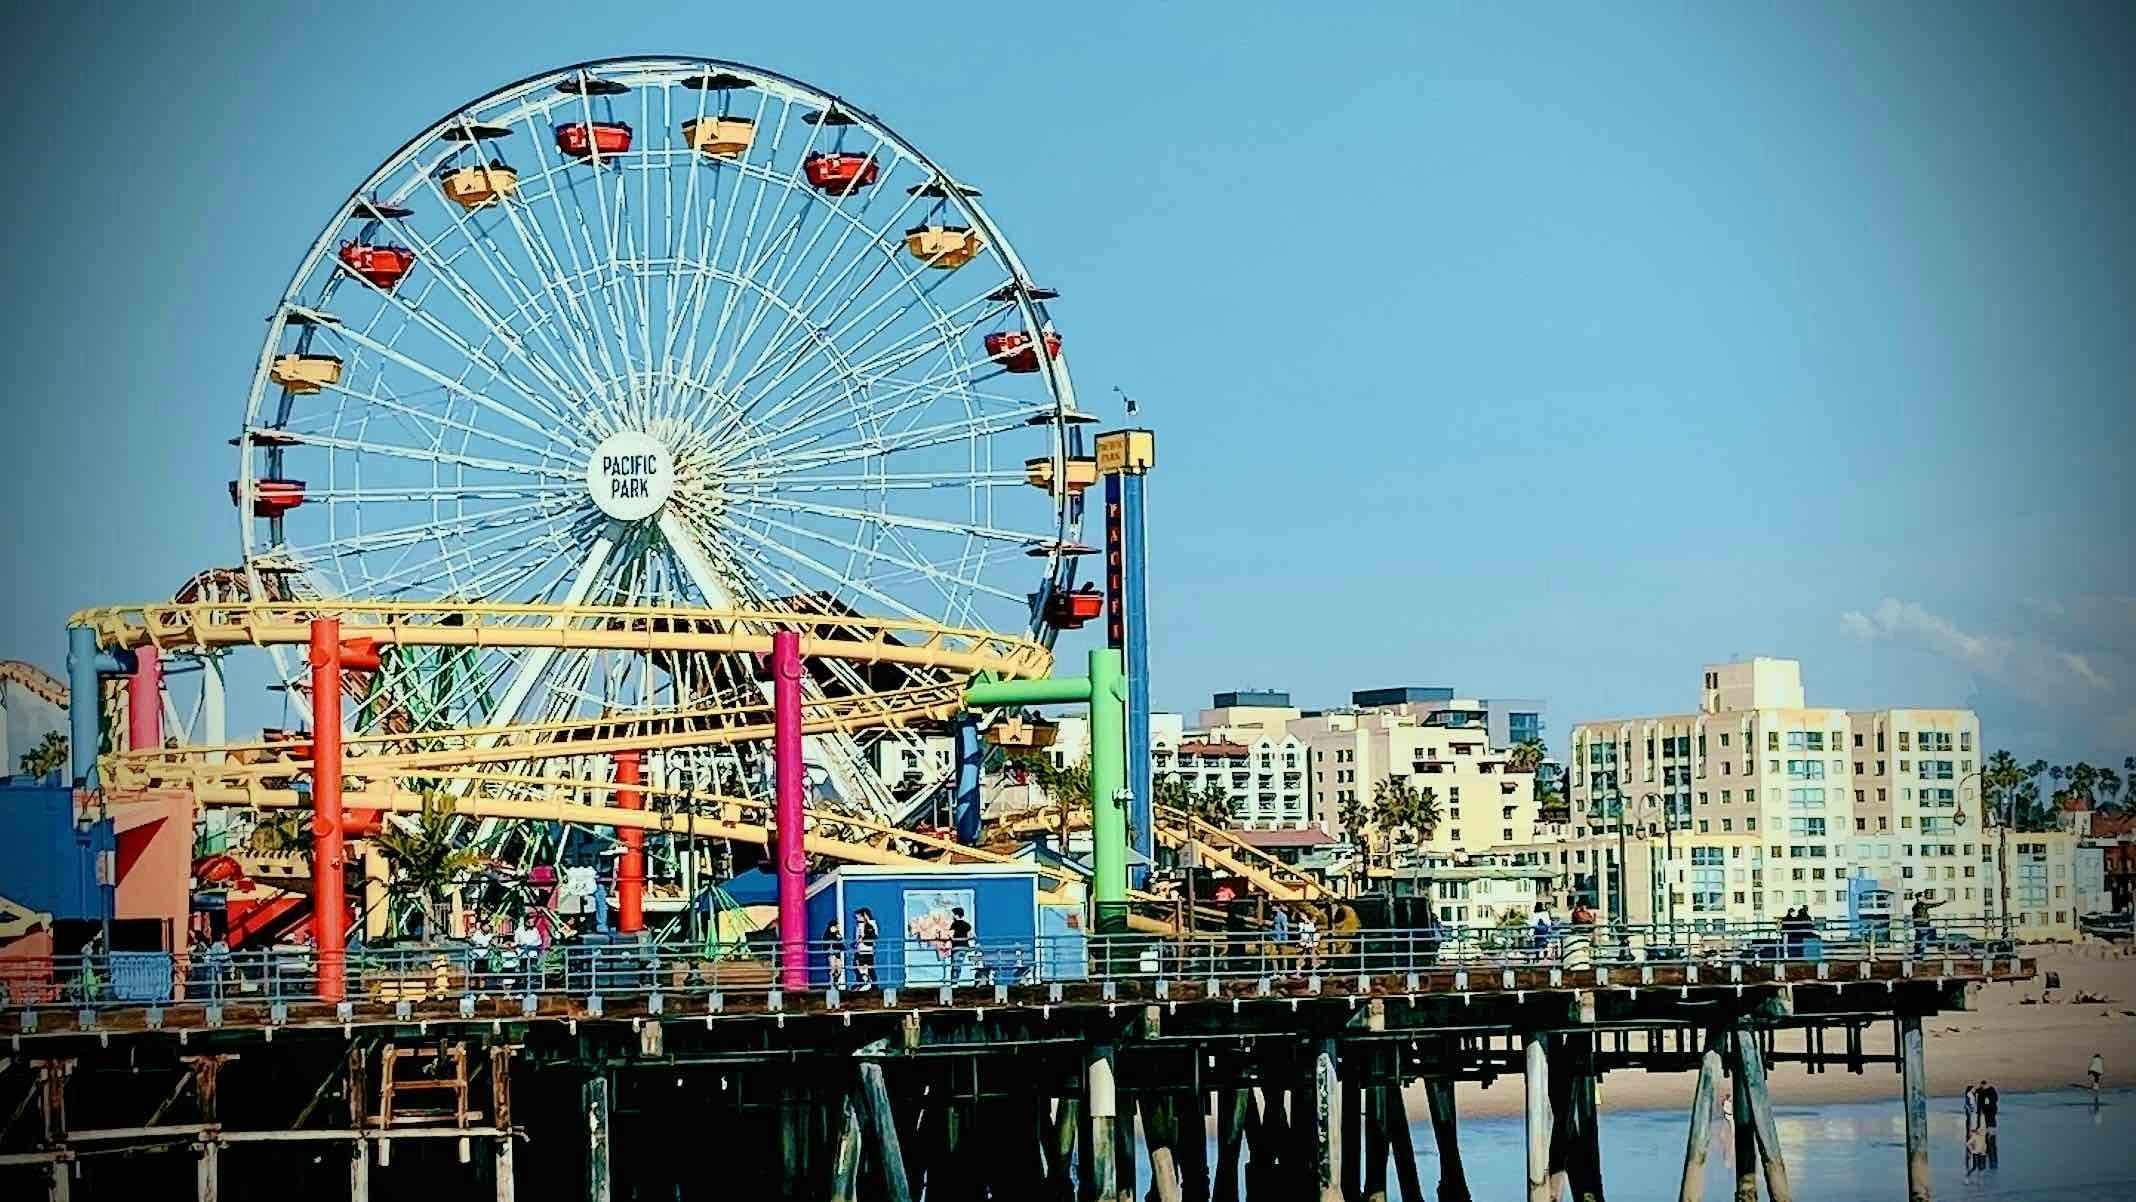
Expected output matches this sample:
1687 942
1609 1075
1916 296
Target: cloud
2066 665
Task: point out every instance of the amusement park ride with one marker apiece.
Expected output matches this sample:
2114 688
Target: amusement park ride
652 447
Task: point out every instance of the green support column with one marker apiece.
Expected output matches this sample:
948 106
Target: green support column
1105 692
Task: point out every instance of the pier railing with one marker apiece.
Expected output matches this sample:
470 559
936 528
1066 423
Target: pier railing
387 975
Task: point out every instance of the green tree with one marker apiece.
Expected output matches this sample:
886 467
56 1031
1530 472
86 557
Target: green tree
49 756
427 856
1403 813
1213 804
1526 756
2011 792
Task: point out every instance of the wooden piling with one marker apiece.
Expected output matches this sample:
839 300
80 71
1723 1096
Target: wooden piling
1124 1151
1395 1114
1916 1089
882 1121
1353 1147
1535 1045
1234 1106
1746 1139
845 1161
600 1185
1751 1064
1190 1140
1160 1142
1327 1141
1060 1178
1446 1135
1693 1185
1375 1185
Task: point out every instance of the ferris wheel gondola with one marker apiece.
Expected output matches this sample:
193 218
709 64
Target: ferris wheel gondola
659 332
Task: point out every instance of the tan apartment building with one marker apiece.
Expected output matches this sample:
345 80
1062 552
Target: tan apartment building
1777 804
1481 803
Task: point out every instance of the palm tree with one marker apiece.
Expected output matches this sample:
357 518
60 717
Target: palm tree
1526 756
49 756
2011 790
428 858
1351 813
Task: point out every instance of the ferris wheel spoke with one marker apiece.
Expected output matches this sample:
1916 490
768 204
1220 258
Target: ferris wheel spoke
423 454
812 292
559 180
907 568
386 351
442 265
788 187
895 481
975 426
1019 538
441 423
874 414
431 528
565 375
763 554
908 349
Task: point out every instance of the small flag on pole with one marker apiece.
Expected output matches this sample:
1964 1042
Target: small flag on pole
1132 407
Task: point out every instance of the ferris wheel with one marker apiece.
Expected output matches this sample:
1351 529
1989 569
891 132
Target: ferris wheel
664 332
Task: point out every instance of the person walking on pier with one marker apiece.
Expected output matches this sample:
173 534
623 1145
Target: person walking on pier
834 949
864 935
2096 1070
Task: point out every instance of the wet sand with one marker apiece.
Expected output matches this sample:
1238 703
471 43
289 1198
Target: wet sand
2018 1047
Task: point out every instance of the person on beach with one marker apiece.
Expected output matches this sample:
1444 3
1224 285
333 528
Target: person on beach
1976 1150
2096 1069
1985 1102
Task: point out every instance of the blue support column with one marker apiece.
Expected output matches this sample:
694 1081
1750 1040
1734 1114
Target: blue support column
1134 533
969 751
85 714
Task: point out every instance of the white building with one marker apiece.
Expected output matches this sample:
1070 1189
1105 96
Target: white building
1481 803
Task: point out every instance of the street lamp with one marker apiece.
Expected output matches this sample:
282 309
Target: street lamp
2002 851
1668 837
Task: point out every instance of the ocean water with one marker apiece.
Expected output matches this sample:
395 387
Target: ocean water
2062 1146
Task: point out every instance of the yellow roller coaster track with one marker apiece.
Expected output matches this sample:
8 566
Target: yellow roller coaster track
207 625
1218 847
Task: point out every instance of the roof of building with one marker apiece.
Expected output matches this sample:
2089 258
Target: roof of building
1207 748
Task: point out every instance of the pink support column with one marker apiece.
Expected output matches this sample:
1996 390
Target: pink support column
144 700
788 780
329 900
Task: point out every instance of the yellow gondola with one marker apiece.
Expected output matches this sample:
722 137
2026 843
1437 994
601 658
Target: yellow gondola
305 373
473 187
946 247
1081 474
719 137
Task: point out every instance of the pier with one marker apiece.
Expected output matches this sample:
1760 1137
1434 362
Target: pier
1211 1066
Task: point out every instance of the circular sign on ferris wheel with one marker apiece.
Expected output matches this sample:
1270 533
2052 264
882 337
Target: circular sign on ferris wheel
630 476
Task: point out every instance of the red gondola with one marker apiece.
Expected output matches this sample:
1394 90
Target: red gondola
271 498
1013 350
359 655
383 266
839 173
1068 611
581 140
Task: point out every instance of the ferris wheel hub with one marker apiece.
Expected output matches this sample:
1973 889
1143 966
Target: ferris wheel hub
630 475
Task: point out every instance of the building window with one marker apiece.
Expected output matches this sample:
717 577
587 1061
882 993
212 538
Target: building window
1727 824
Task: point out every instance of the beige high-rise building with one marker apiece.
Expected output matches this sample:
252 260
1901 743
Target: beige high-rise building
1777 804
1481 803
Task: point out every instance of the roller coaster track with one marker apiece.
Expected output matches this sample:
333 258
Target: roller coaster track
1217 847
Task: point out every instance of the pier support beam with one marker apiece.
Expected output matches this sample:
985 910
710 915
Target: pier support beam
1375 1187
1234 1107
1327 1141
1161 1137
600 1184
1693 1186
1751 1064
1353 1148
1914 1070
1746 1138
1396 1112
1100 1176
845 1164
1446 1134
889 1149
1535 1046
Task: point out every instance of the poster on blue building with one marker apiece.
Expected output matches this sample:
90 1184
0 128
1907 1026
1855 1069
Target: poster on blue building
940 926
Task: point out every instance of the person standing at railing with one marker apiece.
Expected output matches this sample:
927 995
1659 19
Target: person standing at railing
834 949
1279 929
1545 926
218 961
864 936
1924 931
526 941
1309 941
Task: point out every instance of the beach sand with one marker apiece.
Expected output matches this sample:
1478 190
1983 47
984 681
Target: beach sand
2016 1046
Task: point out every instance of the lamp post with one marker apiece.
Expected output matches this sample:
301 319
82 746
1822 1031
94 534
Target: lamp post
1668 856
2002 829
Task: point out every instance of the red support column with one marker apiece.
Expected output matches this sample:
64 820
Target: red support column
329 900
630 867
788 780
144 700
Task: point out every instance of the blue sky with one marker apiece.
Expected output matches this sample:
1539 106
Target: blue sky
1543 353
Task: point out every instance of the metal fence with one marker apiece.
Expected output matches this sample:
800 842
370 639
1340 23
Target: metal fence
290 974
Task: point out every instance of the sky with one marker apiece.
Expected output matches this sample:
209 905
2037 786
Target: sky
1543 352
